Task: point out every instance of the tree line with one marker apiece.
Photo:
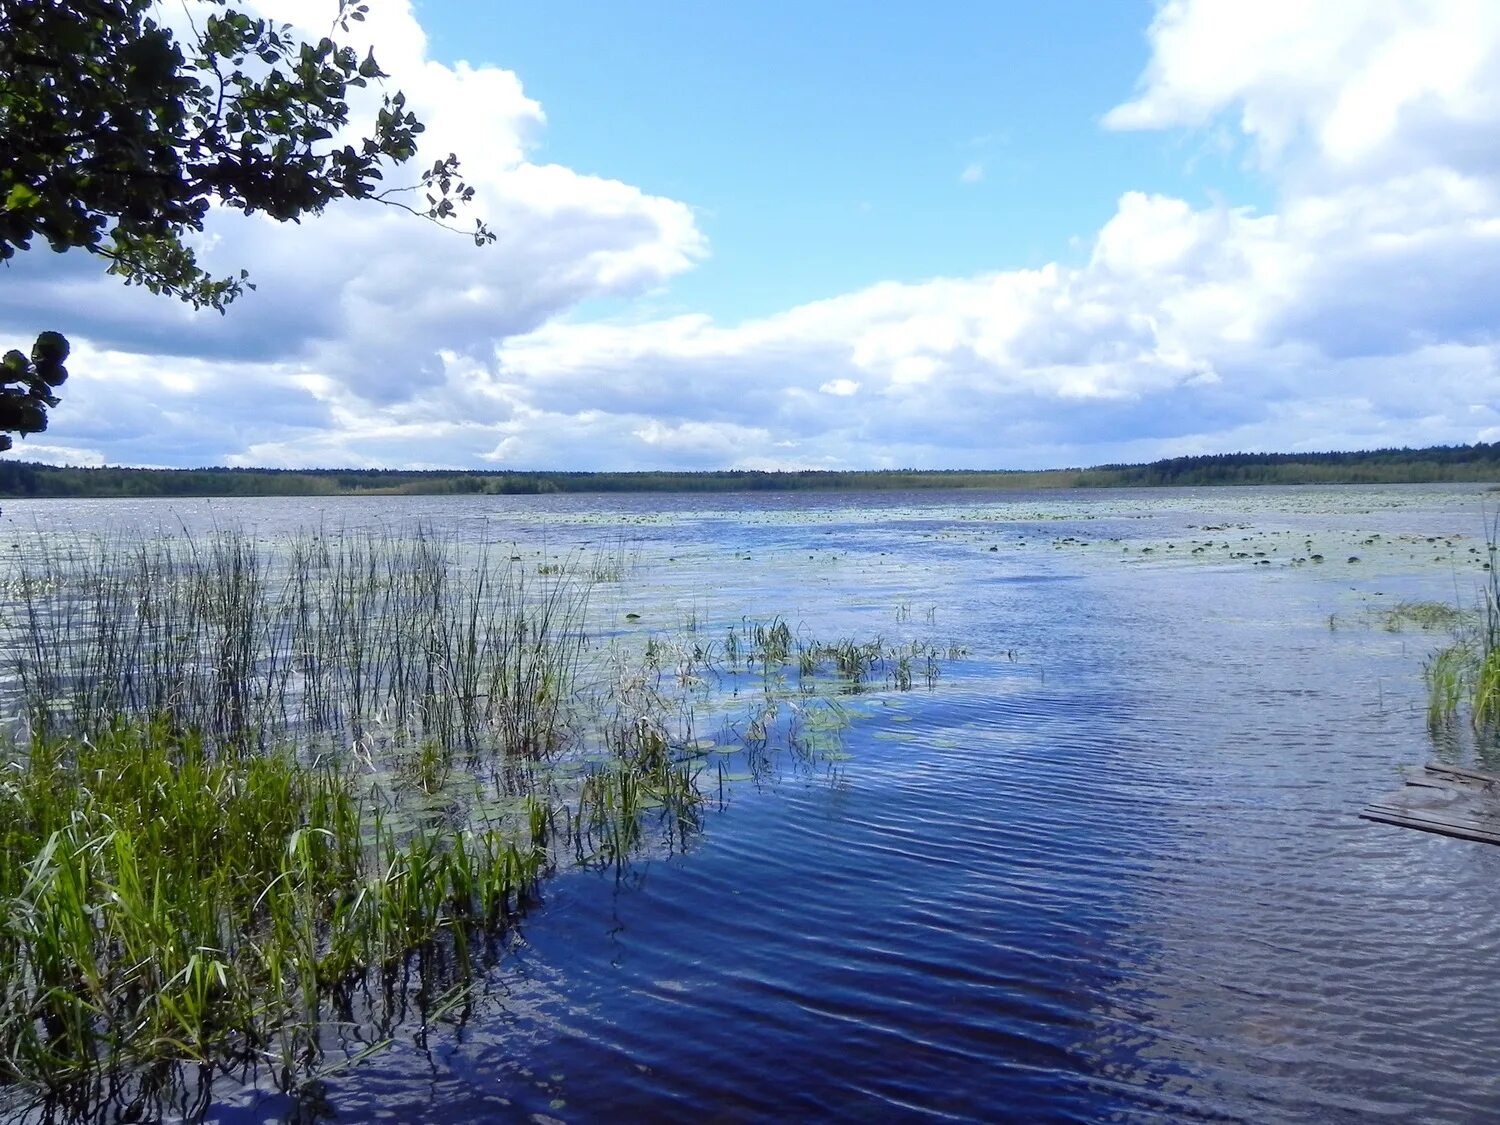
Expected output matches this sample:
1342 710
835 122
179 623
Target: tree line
1435 464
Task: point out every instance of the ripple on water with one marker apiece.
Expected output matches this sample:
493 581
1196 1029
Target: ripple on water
1118 877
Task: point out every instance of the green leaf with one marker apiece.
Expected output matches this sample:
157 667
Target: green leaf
21 197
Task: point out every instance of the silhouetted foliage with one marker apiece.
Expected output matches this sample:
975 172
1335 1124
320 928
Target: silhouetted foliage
27 383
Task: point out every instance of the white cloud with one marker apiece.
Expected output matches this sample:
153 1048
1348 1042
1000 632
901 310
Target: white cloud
1358 312
368 296
972 174
1351 88
60 454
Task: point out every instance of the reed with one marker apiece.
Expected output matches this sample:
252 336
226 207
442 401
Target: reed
1468 670
260 781
1447 675
335 636
164 903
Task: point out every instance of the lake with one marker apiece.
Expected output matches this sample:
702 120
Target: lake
1106 865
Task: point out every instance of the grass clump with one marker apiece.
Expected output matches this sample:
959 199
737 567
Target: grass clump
162 903
1447 674
1467 672
850 665
1422 615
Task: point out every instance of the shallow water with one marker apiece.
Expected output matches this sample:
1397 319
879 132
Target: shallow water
1108 868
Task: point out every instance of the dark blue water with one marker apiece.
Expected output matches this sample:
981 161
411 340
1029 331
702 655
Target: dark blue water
1108 868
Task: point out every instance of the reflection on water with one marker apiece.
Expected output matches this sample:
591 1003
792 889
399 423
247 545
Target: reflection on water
1109 868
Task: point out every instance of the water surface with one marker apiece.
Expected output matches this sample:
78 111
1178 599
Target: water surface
1108 868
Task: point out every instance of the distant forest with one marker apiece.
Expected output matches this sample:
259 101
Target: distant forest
1381 466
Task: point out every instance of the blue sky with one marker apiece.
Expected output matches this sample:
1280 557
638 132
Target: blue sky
823 146
835 235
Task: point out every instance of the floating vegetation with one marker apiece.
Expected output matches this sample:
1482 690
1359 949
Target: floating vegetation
1421 615
266 792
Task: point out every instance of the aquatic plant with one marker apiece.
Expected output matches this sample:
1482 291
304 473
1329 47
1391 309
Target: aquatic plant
854 660
260 781
1421 615
773 641
614 562
347 637
1486 690
1469 669
900 676
1446 674
164 903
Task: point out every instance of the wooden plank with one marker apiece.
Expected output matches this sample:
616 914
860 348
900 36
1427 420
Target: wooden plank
1441 797
1456 817
1465 812
1449 800
1422 825
1414 805
1439 830
1439 820
1462 773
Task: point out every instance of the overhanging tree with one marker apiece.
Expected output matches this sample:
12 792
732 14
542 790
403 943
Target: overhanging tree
117 136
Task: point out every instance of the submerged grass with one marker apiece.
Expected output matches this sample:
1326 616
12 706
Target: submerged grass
1422 615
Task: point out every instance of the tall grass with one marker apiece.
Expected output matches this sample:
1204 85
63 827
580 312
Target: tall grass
175 886
165 904
1467 672
255 781
1447 674
1486 672
344 636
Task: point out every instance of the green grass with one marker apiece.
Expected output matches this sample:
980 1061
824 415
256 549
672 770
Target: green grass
1447 675
346 637
1422 615
162 903
1465 674
259 783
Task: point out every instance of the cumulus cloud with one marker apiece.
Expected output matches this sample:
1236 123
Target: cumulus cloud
1352 89
368 296
1357 312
